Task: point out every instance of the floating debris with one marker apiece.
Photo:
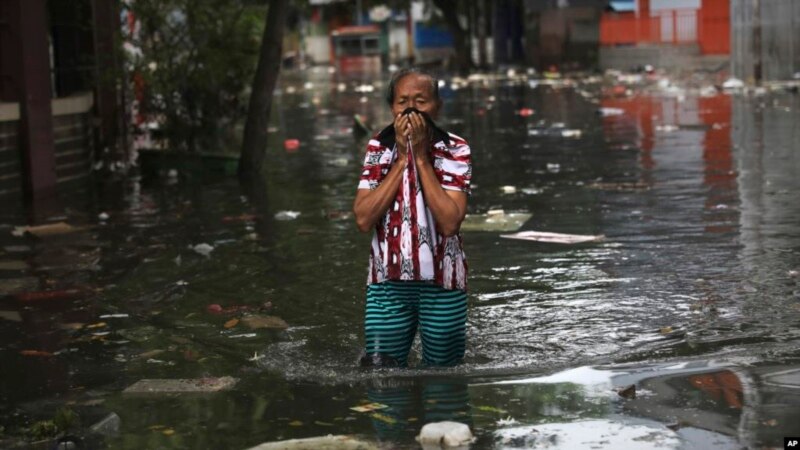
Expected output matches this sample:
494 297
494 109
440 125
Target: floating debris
508 189
114 316
495 220
556 238
525 112
733 84
255 322
11 315
40 353
59 294
368 407
291 144
158 386
287 215
445 434
329 442
108 425
13 265
203 249
507 421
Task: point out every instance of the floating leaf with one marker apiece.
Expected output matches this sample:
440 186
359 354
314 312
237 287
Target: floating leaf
231 323
295 423
666 330
168 432
323 424
95 325
628 392
384 418
491 409
368 407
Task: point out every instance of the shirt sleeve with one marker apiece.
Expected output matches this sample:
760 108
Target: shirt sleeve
376 166
453 166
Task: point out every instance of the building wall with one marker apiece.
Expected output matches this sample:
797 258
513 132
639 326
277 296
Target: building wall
10 162
72 132
779 47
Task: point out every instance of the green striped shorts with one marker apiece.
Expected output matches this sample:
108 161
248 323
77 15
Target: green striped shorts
396 308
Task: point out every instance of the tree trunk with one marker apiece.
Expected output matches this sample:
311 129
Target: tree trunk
483 11
269 65
460 36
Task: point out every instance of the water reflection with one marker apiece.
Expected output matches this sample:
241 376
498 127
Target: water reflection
692 193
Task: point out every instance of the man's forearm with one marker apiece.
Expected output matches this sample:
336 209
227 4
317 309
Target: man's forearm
370 206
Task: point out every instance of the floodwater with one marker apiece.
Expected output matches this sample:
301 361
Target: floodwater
693 296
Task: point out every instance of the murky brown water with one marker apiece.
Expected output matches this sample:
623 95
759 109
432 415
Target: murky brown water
693 295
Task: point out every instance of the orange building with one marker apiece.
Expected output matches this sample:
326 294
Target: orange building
705 23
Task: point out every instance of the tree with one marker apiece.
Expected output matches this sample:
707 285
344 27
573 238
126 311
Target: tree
194 59
461 35
267 71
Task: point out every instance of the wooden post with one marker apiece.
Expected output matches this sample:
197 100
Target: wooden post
28 28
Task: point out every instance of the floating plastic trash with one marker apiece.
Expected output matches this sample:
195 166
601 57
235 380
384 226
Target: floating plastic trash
525 112
556 238
368 407
287 215
13 316
444 434
606 112
291 144
508 189
203 249
49 229
733 84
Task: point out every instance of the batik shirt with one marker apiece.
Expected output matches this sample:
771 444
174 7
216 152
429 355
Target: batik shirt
406 244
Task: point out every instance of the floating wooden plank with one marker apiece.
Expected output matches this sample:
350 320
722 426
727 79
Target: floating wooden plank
169 386
556 238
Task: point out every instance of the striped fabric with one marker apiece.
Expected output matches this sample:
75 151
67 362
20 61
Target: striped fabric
395 309
406 244
428 401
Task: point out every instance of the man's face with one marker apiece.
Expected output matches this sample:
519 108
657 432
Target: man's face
415 90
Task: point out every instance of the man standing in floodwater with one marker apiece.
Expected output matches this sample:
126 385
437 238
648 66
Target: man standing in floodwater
413 194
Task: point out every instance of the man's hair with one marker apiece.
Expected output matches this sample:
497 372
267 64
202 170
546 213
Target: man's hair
400 74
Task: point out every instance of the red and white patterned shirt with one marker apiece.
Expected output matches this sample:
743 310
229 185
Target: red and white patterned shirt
406 244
